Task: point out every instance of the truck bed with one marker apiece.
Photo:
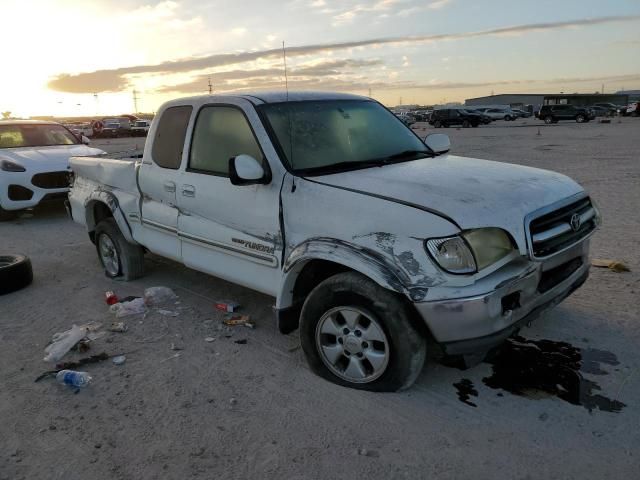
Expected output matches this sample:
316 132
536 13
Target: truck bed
109 171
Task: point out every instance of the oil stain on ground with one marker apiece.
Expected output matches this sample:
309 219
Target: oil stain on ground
465 391
535 368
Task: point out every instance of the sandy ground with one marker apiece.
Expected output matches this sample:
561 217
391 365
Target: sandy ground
254 410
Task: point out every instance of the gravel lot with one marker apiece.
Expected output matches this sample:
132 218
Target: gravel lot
254 410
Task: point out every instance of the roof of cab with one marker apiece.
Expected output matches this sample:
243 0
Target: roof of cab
279 96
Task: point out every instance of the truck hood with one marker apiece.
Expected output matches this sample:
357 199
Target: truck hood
50 158
472 193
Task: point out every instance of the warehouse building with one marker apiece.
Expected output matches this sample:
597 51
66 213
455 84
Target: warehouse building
533 101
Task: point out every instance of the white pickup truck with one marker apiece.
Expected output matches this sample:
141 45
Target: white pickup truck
374 242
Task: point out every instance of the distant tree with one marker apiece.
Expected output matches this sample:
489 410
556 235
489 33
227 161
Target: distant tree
6 115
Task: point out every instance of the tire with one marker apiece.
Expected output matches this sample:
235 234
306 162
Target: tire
445 125
475 125
580 118
548 120
118 257
15 273
6 215
437 124
403 347
466 124
507 118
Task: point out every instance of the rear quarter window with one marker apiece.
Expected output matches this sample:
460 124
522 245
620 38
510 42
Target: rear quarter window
169 140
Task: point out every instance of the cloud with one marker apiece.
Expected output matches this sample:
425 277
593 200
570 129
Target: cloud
233 79
114 79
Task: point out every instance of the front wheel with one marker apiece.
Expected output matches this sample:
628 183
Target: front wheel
507 118
548 120
437 124
580 118
466 124
118 257
357 334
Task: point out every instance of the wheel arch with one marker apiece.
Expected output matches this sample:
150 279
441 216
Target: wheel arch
100 205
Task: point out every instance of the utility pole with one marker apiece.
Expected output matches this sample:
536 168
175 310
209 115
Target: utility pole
602 91
210 86
369 92
135 101
95 97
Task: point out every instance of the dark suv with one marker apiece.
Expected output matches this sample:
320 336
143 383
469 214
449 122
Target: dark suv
452 116
553 113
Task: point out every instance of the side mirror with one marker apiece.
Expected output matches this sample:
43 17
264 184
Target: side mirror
246 170
438 142
85 140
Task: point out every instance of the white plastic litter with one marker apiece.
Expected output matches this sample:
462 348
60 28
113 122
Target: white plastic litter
125 309
159 295
61 343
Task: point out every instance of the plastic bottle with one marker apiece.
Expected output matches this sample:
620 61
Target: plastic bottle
73 378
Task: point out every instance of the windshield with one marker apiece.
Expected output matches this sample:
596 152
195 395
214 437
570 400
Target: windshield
335 135
34 135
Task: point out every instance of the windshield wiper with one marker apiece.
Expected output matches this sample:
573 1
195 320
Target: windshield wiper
374 162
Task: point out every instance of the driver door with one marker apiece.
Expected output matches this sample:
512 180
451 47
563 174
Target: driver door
230 231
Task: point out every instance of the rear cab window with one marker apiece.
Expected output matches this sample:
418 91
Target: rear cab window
169 140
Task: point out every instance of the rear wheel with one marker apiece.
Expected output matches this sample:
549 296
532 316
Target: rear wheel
118 257
466 124
507 118
475 125
359 335
580 118
548 120
437 124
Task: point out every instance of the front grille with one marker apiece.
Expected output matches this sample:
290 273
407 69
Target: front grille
553 277
555 231
51 180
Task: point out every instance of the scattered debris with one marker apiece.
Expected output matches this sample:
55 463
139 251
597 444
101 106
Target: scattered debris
175 355
244 320
167 313
77 364
175 347
365 452
118 327
233 401
154 296
225 306
294 348
61 343
110 297
73 378
242 341
119 360
82 346
210 339
126 308
614 265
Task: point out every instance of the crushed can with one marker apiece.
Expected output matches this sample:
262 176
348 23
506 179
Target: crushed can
110 297
228 307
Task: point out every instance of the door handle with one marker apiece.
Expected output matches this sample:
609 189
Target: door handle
170 187
188 191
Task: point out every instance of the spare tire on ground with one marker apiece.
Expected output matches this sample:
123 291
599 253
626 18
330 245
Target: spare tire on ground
15 273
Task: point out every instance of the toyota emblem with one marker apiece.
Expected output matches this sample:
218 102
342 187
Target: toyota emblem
576 221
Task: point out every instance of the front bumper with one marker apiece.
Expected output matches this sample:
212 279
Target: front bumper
29 195
475 324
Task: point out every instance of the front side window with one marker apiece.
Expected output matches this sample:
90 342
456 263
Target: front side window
220 134
34 135
168 143
335 135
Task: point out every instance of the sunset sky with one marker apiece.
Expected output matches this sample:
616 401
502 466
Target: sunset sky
64 57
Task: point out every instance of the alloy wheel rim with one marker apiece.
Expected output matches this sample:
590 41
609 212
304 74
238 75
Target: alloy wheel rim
109 255
352 344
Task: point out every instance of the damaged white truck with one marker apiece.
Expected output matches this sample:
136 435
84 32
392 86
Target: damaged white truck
375 243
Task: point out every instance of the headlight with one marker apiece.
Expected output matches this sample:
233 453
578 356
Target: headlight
488 245
472 251
452 254
8 166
